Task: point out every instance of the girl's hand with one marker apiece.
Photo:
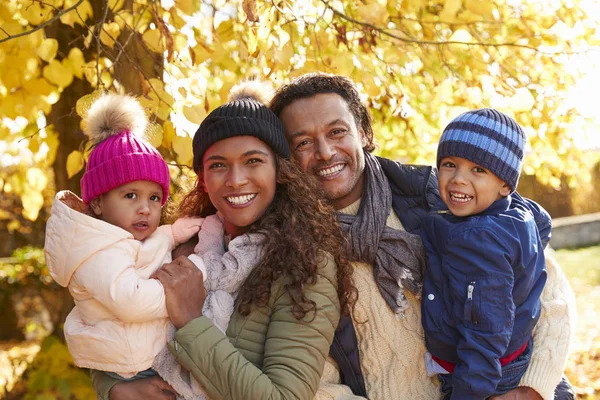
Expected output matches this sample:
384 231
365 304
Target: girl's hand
520 393
153 388
184 290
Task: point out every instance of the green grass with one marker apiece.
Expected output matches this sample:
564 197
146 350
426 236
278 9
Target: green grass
581 264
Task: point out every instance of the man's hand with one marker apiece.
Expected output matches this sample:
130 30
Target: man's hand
184 290
520 393
153 388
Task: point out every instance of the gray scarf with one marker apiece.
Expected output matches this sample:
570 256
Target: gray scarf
398 256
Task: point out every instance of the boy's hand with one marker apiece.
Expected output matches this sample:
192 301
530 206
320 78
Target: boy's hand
184 228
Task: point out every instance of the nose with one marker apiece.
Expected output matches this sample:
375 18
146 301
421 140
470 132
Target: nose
458 177
144 208
237 177
325 150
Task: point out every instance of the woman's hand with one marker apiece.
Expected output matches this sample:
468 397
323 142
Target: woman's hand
153 388
184 290
520 393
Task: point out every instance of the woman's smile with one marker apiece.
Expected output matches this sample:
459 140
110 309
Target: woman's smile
239 176
243 200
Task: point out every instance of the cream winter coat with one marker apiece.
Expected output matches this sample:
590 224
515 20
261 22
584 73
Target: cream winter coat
120 321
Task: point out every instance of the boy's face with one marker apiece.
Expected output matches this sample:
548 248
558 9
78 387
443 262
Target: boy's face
134 206
468 188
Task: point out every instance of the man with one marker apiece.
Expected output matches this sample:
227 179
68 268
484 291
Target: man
381 203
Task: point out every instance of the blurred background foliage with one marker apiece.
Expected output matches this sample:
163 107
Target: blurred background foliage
417 63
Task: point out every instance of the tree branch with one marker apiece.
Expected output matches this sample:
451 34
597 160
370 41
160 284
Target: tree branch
437 43
43 24
99 26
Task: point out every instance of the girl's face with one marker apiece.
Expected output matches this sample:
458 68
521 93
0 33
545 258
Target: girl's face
239 176
134 206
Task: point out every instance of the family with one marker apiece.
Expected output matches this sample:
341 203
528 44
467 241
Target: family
302 266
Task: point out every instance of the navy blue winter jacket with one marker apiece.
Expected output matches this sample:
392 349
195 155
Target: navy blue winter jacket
481 295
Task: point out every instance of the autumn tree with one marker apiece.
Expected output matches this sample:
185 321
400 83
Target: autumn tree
418 63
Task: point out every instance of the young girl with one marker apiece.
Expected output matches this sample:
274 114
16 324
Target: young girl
105 246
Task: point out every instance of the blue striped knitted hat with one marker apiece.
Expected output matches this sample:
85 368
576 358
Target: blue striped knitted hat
488 138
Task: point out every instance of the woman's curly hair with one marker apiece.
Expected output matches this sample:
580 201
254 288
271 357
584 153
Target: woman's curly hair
300 229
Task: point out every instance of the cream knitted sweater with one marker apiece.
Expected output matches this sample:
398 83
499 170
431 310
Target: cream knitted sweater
392 349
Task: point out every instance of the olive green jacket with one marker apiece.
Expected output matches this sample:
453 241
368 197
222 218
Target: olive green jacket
269 355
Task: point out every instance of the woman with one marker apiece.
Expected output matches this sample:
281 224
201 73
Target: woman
288 308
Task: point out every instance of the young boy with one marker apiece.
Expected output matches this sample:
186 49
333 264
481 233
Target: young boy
486 268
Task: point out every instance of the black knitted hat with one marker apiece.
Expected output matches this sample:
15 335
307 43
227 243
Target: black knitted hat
243 116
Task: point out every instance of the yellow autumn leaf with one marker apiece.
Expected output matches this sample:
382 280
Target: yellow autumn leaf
76 62
52 142
74 163
224 31
58 74
484 8
373 13
168 134
124 18
115 5
13 225
36 12
522 100
182 145
80 17
154 134
36 179
450 10
110 32
251 41
85 102
188 7
47 49
39 87
194 114
153 38
460 35
32 204
199 54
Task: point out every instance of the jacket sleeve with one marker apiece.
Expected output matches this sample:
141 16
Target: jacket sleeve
330 387
109 276
294 351
102 384
542 219
553 332
477 275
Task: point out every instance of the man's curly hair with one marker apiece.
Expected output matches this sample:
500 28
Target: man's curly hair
300 230
311 84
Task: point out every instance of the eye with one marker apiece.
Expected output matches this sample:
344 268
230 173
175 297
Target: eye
216 165
156 198
479 170
338 131
130 195
302 144
254 161
448 164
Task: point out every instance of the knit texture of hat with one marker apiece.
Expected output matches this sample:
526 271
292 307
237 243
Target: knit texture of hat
487 138
115 125
244 115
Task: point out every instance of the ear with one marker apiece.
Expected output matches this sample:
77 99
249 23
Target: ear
505 190
363 137
96 206
200 184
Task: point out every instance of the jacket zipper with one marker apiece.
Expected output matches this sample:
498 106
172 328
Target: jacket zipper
469 313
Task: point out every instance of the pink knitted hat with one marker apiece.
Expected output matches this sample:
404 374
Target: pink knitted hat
115 125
